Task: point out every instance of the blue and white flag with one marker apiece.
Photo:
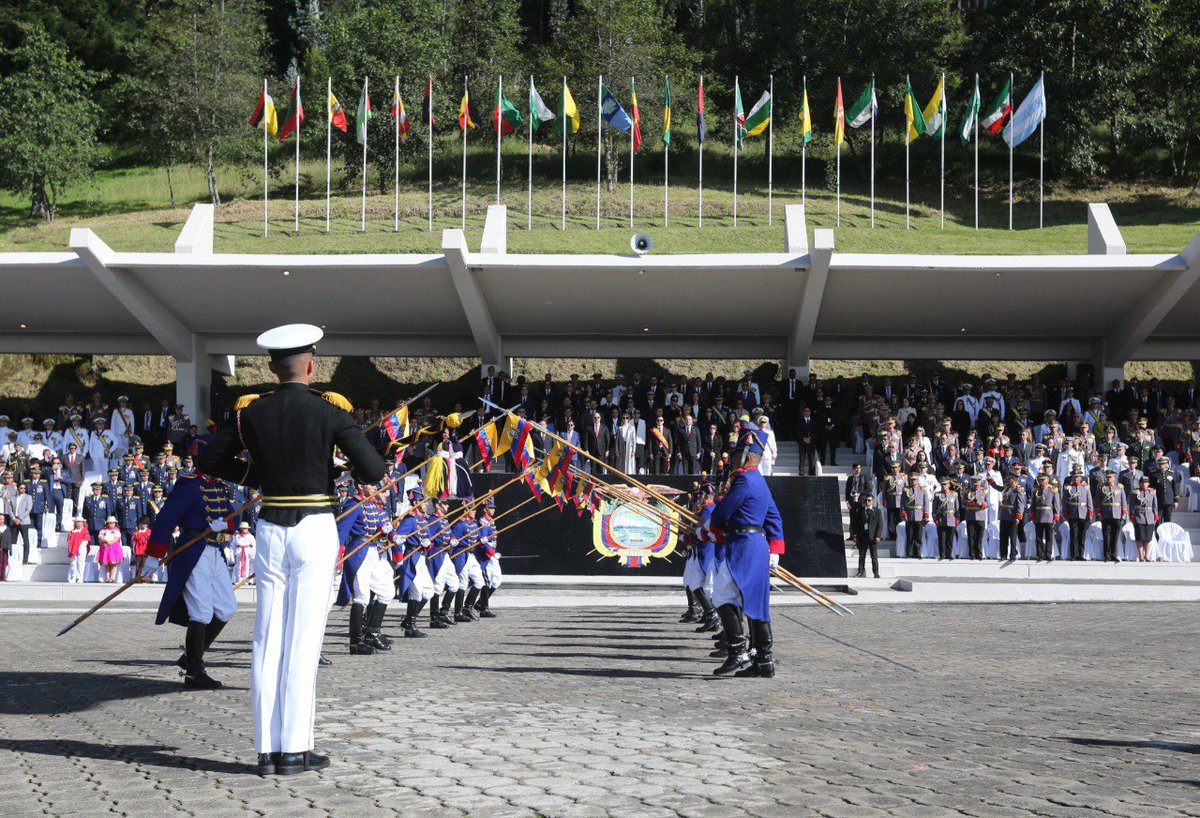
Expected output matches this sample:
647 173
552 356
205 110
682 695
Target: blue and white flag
1028 116
612 111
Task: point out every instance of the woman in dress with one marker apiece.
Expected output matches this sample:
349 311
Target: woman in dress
111 555
1144 516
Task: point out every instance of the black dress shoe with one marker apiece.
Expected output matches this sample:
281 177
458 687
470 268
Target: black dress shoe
486 613
267 763
324 662
293 763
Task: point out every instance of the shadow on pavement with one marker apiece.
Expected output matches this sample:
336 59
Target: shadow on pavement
1147 745
604 673
45 693
158 756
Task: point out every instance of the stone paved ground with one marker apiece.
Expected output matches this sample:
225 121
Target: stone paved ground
911 711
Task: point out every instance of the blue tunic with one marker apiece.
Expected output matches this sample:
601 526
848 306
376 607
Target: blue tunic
194 502
464 531
438 535
749 503
352 530
706 550
406 533
483 553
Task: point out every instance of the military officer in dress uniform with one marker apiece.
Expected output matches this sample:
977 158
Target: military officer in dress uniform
1012 512
893 497
1047 510
290 435
945 516
747 522
1077 509
975 512
1166 486
1114 511
913 511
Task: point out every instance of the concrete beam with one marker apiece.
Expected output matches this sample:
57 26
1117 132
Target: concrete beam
168 330
1123 340
1104 237
801 340
495 231
66 343
795 229
470 295
196 238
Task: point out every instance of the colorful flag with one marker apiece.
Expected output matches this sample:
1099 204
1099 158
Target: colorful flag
400 115
700 111
971 115
667 112
294 115
337 114
487 440
395 425
935 111
363 117
839 116
864 108
515 438
425 112
1001 109
612 112
805 117
505 115
538 112
739 115
760 115
637 118
466 111
1029 114
912 114
567 111
264 115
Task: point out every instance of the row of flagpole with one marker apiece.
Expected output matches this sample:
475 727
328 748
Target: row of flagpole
933 119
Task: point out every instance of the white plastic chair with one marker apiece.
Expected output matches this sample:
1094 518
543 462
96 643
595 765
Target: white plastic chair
1093 542
1173 543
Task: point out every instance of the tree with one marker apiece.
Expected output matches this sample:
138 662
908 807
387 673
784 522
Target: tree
48 121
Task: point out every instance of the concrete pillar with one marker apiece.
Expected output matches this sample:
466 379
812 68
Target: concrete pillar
193 379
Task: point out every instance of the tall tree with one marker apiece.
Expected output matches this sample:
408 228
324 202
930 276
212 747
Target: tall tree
48 121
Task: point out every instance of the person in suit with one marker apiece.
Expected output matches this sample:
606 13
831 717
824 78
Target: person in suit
597 441
827 423
689 448
859 487
867 532
19 514
808 432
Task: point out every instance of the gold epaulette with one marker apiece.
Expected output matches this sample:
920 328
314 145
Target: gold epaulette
337 400
245 400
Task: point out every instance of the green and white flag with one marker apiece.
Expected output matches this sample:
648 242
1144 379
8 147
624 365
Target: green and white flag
864 109
760 115
739 114
538 112
935 111
965 131
364 116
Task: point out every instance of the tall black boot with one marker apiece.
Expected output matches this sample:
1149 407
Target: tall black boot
211 631
469 605
409 623
193 647
709 621
692 614
459 599
764 664
447 601
435 613
374 636
739 656
485 597
358 644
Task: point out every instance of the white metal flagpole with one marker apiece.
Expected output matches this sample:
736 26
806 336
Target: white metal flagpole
563 124
976 153
264 127
529 182
296 227
396 163
328 141
804 159
907 223
839 184
1010 153
363 125
499 114
667 183
735 157
429 88
700 202
872 104
599 111
1042 154
771 154
943 183
466 114
631 167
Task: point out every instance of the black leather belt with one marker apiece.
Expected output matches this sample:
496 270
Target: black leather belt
744 529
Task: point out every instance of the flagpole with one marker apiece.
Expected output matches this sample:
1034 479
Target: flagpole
363 125
804 158
328 141
735 157
977 154
563 123
666 180
466 115
396 168
872 104
429 87
700 202
499 130
599 112
943 182
631 127
529 194
908 101
297 222
265 169
771 155
1042 154
1010 152
839 184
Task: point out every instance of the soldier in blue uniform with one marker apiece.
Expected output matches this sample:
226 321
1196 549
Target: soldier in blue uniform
198 594
409 543
470 573
489 566
441 568
464 535
701 570
96 509
366 577
129 511
747 522
144 489
38 487
113 488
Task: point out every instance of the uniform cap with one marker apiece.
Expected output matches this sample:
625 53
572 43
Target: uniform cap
290 339
75 416
27 420
98 420
123 398
4 418
48 422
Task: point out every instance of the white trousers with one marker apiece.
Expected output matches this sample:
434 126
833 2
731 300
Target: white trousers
208 591
725 591
421 587
493 576
294 566
75 567
471 576
374 576
446 579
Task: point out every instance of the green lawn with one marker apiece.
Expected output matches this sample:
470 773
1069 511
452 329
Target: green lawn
130 210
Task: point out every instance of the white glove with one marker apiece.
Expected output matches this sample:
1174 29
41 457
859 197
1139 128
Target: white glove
387 528
424 542
774 560
217 526
453 542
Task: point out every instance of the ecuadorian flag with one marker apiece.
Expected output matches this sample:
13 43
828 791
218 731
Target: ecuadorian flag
487 438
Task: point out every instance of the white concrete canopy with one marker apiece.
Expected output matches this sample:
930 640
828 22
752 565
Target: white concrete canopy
195 303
